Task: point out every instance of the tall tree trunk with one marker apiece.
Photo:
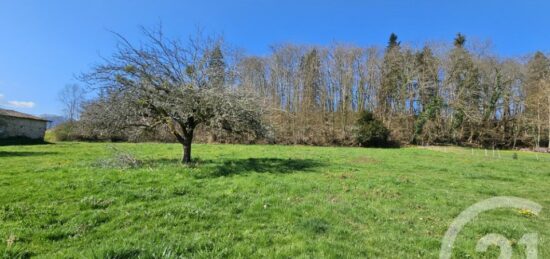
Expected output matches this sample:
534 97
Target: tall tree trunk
548 121
515 133
539 124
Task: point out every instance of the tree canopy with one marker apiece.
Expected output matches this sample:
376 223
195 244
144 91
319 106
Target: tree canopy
165 82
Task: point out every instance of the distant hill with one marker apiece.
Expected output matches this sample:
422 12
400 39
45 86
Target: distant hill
54 119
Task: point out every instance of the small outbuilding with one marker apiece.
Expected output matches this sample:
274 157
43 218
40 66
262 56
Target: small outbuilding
17 124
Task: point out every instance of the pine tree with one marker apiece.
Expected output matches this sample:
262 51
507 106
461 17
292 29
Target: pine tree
428 78
460 40
393 41
463 80
216 68
311 71
392 78
428 83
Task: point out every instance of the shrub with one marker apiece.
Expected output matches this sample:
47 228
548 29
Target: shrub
80 131
371 132
119 159
66 131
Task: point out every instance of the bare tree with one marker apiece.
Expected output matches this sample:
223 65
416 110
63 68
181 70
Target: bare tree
72 97
538 69
166 82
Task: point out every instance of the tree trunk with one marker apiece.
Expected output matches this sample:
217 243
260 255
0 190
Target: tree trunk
187 141
186 158
515 133
537 144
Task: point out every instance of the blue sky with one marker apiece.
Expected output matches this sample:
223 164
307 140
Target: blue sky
43 44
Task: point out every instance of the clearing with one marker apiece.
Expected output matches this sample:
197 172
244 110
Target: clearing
96 200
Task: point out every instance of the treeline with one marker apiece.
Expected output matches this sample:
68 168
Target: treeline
422 96
425 96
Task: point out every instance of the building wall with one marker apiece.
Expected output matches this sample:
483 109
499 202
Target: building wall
19 127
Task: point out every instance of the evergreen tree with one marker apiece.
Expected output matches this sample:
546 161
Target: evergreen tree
393 41
460 40
463 80
370 131
311 71
216 68
425 128
428 79
392 78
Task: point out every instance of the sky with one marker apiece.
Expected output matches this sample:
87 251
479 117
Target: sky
44 44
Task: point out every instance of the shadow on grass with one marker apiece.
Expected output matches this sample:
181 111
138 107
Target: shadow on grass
20 141
264 165
24 153
227 167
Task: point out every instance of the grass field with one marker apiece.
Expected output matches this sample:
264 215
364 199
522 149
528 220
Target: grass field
76 200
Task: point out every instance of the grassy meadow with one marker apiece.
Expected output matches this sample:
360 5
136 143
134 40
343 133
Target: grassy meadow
104 200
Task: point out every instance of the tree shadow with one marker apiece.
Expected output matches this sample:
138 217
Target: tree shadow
24 153
264 165
196 162
211 168
22 141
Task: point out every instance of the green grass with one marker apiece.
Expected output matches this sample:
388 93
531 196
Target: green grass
74 200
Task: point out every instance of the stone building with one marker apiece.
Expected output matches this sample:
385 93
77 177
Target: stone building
17 124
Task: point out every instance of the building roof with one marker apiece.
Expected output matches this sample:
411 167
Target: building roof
15 114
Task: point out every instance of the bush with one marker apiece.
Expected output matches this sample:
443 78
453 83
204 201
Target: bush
119 159
371 132
66 131
79 131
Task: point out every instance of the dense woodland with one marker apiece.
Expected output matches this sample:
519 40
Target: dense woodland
434 94
424 97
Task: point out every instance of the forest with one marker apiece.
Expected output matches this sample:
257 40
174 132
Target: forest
459 94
